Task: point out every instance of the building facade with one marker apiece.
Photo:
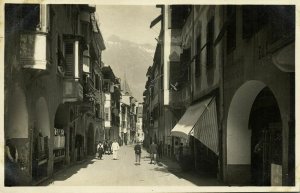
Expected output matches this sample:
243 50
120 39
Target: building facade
45 51
139 136
259 95
222 101
112 104
125 118
127 128
133 119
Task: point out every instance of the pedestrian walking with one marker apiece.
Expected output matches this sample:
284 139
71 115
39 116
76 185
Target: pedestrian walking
138 152
153 153
109 147
105 147
115 148
100 150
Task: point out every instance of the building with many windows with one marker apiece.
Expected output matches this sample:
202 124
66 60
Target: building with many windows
139 135
52 93
228 91
112 103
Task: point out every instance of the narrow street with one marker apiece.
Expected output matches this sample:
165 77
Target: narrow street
212 86
124 172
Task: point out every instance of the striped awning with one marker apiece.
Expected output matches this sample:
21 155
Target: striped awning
187 122
200 120
206 128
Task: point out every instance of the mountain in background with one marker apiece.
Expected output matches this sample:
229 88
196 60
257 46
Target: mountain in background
129 61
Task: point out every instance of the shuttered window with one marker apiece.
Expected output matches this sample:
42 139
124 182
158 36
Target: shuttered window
69 56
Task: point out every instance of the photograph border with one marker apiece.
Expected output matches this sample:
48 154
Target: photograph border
76 189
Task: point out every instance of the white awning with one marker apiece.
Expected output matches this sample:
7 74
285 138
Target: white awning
189 119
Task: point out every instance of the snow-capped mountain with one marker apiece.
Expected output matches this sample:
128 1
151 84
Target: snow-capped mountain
129 60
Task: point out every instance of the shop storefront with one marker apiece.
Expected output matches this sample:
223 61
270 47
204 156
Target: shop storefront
196 140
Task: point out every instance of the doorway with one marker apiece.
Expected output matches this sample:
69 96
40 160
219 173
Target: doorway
266 138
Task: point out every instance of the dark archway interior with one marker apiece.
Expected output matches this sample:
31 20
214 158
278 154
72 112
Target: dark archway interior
60 136
266 139
61 117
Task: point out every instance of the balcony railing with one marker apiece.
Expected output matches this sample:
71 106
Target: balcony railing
34 52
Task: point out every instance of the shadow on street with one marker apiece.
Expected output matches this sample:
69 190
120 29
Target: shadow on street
72 169
168 166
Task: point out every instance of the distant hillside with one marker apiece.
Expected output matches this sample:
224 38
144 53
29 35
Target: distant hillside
131 60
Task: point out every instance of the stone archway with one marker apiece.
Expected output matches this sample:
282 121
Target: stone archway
41 138
42 117
17 126
237 123
266 140
240 132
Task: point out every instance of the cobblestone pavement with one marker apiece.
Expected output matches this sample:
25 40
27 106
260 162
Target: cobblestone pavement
124 172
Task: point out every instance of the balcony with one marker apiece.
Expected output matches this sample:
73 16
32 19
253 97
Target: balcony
72 91
34 51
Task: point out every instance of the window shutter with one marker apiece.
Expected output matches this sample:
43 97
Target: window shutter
69 56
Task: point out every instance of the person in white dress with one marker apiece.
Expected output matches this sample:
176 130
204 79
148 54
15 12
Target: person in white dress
115 148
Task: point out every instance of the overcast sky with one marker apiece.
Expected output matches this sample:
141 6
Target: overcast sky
129 22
